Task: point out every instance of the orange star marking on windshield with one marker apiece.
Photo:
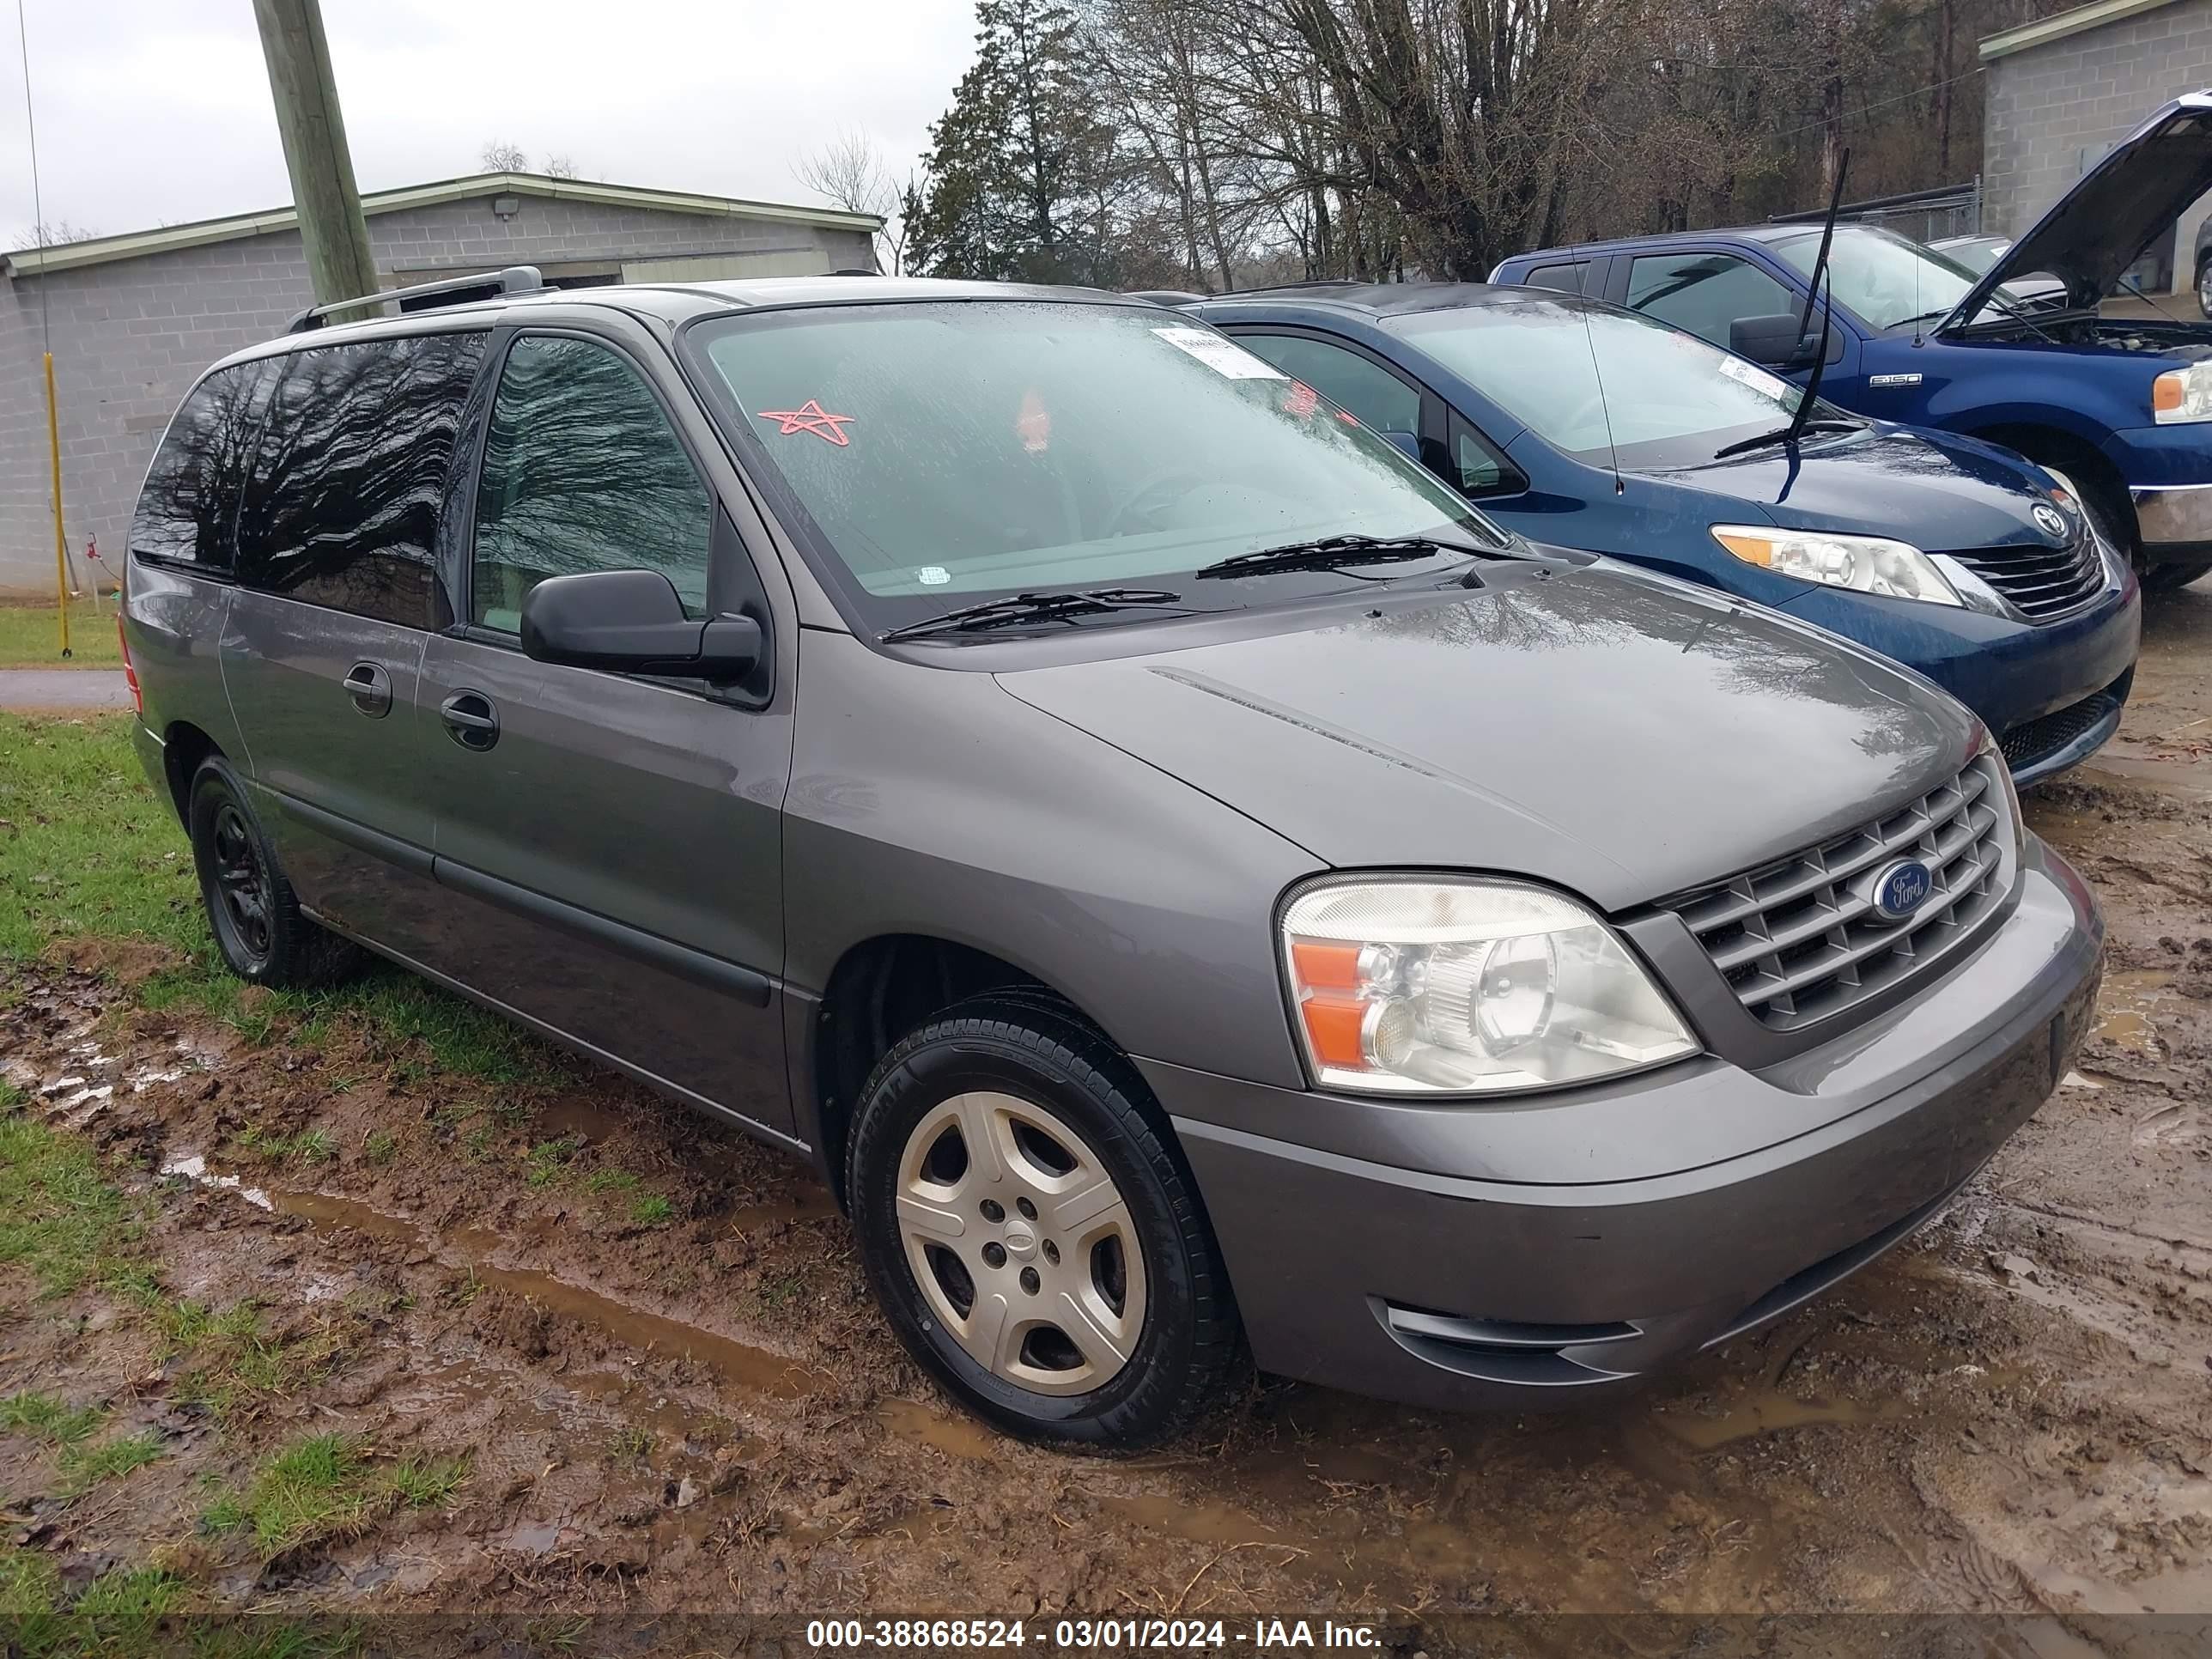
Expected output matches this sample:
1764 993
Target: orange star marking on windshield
810 417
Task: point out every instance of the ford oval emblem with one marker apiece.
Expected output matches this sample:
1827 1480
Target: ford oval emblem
1902 888
2051 521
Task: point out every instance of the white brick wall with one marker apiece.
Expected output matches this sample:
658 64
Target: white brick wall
130 337
2047 106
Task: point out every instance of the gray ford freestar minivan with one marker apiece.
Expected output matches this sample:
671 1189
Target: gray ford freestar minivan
1186 878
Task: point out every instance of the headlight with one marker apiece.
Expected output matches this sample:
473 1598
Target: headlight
1412 987
2180 395
1864 564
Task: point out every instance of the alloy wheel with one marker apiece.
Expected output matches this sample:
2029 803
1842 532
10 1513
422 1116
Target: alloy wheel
2204 287
239 880
1022 1247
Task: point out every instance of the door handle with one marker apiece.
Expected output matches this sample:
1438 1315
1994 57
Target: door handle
370 688
471 720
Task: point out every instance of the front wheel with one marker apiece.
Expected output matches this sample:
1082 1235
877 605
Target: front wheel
1032 1235
2167 574
2204 287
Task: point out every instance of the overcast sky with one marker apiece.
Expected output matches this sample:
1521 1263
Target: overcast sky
157 111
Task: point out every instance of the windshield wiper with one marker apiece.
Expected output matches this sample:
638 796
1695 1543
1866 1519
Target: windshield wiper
1825 423
1033 607
1332 553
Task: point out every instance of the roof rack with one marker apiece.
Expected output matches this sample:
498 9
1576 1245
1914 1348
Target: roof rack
515 279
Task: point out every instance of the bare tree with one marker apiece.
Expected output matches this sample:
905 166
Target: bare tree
52 232
499 156
558 167
849 171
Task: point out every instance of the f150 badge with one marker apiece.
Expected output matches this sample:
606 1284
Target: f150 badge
1892 380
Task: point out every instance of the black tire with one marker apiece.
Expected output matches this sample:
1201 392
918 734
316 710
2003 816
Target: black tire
251 908
2204 285
2169 574
1041 1054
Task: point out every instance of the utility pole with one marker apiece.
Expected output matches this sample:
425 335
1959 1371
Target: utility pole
331 228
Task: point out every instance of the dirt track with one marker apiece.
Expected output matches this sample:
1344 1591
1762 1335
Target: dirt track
2014 1413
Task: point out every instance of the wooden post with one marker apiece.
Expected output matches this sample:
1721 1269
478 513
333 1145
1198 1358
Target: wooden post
331 228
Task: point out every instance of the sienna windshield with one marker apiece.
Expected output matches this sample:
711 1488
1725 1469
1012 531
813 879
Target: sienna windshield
945 453
1592 381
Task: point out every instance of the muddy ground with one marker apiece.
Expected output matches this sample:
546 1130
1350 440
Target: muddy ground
693 1406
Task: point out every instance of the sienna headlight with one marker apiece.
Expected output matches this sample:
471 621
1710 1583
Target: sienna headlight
1864 564
2182 395
1418 986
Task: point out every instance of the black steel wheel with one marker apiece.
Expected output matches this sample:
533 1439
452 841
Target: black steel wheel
250 907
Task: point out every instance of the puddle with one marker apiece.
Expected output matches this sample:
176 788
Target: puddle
2125 1007
1768 1413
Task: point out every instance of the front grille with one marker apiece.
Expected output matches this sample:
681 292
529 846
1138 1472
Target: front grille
2031 740
1798 941
2043 582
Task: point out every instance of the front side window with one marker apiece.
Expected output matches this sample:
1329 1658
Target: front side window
1381 400
1478 467
342 506
581 473
1592 380
1704 292
189 508
941 452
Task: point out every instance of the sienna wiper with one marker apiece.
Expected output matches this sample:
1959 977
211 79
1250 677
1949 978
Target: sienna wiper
1034 607
1333 553
1824 424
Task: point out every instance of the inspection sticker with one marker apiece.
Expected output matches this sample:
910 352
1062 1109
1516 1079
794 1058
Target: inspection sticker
1756 378
1223 357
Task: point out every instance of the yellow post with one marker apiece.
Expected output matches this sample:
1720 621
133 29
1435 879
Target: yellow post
61 543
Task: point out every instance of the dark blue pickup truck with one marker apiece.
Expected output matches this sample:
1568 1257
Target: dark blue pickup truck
2121 406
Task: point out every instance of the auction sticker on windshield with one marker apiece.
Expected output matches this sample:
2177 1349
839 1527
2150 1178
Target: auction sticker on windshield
1221 356
1757 379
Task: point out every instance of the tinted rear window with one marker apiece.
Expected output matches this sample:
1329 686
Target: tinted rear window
190 504
342 505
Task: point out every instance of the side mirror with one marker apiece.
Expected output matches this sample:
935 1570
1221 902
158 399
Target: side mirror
1774 341
632 622
1406 444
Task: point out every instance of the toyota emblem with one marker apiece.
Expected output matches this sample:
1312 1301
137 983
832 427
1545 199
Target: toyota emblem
2050 520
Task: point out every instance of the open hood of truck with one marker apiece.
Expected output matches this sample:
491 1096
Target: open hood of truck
2096 230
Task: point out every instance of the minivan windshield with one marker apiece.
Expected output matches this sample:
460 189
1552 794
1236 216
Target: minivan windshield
947 453
1592 380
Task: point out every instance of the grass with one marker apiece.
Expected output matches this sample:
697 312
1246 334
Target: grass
59 1219
30 636
380 1148
309 1146
67 1431
117 1614
548 1162
329 1487
652 1211
88 847
233 1362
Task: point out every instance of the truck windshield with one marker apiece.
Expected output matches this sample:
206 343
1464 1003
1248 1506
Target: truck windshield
941 453
1881 278
1629 383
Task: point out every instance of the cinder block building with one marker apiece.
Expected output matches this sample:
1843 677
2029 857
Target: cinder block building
2063 91
134 318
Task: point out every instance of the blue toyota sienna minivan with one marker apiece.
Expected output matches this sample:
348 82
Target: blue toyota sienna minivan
1588 426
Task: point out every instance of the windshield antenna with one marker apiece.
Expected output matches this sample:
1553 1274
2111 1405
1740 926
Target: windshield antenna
1821 273
1590 338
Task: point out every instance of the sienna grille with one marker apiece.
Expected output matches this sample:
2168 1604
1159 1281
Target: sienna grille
2043 582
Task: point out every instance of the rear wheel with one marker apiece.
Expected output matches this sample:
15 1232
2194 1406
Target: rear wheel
1031 1234
2204 286
251 908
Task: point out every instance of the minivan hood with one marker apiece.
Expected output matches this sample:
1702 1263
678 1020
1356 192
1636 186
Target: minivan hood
1616 733
1921 488
2097 228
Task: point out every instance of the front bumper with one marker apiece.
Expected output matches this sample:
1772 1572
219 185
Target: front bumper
2174 521
1563 1247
